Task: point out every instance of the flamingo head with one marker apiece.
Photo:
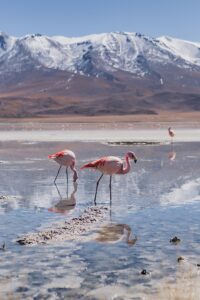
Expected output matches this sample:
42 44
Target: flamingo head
131 155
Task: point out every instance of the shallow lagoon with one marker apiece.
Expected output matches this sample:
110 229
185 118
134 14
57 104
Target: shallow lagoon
157 200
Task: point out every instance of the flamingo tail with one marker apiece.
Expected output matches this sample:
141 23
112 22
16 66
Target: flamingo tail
56 155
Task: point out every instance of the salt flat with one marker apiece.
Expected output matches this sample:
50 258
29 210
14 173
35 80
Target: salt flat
85 135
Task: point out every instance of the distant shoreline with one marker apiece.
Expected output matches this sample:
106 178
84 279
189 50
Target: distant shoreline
180 120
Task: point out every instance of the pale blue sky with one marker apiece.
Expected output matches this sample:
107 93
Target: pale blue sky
176 18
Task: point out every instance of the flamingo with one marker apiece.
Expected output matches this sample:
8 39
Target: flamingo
67 159
171 133
110 165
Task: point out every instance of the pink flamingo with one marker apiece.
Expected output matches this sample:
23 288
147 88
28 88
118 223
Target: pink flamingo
171 133
67 159
110 165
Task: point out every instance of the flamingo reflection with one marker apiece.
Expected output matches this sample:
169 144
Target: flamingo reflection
114 233
172 155
67 204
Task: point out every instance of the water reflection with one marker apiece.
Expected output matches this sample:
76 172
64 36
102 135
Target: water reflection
138 200
172 155
114 233
66 204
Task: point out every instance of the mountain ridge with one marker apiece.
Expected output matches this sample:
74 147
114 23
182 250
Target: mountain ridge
108 73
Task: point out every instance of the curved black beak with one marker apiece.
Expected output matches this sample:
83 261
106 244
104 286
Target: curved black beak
135 160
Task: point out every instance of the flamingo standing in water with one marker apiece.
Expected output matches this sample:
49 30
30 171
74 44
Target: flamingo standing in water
171 134
67 159
110 165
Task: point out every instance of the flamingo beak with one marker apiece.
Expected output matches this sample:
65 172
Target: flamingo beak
135 160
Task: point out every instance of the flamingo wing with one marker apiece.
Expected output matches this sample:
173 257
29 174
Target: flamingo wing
95 164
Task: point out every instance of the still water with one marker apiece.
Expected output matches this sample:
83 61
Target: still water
157 200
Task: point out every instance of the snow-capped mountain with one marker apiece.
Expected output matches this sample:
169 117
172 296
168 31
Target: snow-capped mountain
129 52
119 62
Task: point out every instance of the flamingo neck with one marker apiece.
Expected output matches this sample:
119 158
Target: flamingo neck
126 168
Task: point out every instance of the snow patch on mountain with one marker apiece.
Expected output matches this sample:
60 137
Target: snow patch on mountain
189 51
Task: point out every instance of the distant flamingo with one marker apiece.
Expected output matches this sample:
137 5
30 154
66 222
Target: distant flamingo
171 133
110 165
67 159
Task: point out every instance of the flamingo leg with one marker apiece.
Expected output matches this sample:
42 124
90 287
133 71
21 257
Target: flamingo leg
57 174
67 180
67 175
97 188
110 186
58 191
